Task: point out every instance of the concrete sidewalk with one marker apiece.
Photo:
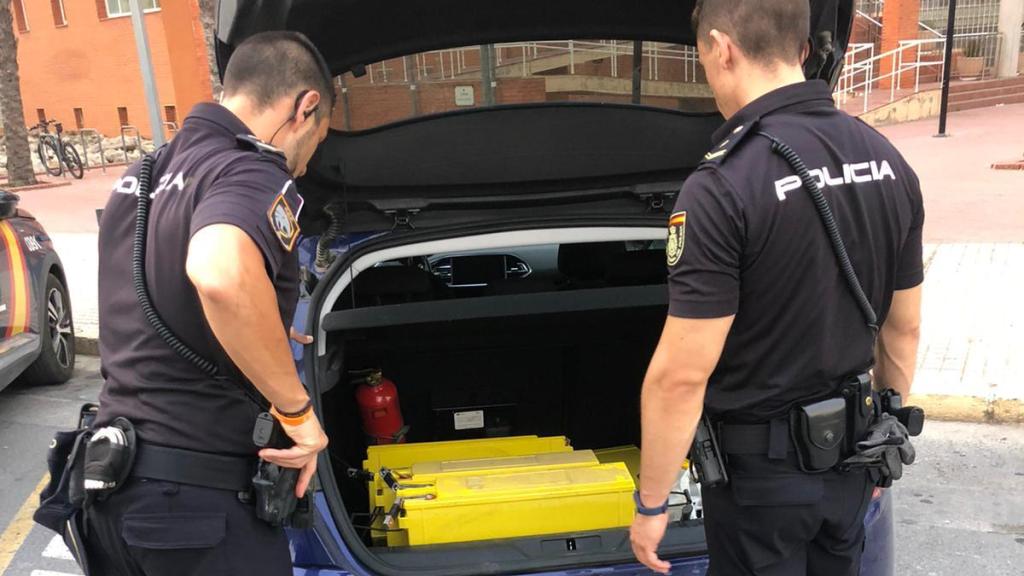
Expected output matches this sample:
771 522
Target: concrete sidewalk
972 347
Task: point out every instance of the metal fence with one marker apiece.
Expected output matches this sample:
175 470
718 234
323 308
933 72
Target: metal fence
529 58
869 16
975 33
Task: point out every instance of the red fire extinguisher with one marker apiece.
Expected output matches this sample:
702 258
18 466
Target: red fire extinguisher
377 398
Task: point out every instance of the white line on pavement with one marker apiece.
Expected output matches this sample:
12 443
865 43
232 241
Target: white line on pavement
57 549
50 573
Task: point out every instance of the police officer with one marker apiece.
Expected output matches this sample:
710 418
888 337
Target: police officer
761 320
222 272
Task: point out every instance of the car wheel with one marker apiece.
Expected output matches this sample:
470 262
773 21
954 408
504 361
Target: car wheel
57 356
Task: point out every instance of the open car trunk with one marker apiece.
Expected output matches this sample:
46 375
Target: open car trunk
556 346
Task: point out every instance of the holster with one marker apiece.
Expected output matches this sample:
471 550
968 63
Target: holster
60 503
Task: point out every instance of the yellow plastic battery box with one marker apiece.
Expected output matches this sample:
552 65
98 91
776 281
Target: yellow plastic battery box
429 472
520 502
401 457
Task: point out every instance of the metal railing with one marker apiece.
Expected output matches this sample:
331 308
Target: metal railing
85 149
859 77
858 62
441 65
124 142
172 129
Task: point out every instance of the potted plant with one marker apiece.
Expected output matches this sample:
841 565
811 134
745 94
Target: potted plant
972 63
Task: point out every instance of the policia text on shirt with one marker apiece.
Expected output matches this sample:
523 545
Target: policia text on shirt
198 281
794 255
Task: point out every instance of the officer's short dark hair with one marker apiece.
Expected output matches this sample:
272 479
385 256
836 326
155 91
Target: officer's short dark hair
767 31
272 65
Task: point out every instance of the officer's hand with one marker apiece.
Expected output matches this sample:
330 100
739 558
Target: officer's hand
297 336
645 535
309 440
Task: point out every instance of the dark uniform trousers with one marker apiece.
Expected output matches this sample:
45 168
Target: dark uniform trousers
156 528
774 520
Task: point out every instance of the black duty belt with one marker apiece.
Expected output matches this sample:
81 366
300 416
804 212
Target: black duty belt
194 468
771 439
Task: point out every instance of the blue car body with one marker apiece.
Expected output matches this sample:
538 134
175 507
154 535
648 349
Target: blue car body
36 330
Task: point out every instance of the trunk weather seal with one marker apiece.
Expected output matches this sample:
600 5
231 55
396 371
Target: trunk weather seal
370 562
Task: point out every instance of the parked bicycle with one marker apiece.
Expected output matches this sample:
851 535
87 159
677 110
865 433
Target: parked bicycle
55 153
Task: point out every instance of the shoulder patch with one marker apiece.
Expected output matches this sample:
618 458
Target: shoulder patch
676 238
284 220
720 152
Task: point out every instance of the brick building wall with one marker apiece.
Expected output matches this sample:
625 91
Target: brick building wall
91 64
900 20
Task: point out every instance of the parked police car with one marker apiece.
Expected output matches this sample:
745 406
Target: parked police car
485 228
37 342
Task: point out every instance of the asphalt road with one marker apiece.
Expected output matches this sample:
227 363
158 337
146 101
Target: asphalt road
959 508
28 419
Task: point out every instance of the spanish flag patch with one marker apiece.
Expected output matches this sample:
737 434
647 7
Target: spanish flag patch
676 237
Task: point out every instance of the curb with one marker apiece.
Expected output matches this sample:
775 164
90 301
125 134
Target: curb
42 185
969 409
87 346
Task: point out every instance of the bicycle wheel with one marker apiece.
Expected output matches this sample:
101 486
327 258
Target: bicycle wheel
72 160
49 156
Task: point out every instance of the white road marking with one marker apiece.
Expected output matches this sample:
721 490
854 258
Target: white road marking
50 573
57 549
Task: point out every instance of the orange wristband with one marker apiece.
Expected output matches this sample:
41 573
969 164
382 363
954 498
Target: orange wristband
296 419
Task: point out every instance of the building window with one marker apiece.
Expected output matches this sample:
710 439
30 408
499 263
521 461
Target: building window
19 15
59 17
79 118
171 114
41 114
122 115
124 8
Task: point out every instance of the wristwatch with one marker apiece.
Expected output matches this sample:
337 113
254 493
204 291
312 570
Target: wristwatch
645 511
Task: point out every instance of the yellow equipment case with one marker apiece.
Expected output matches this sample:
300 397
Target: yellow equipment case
400 458
464 507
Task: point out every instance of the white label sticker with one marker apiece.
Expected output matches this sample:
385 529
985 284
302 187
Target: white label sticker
469 420
464 96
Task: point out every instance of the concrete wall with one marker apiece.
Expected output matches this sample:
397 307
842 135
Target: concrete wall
899 22
915 107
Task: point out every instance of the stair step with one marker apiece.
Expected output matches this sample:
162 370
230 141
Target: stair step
986 102
976 85
985 93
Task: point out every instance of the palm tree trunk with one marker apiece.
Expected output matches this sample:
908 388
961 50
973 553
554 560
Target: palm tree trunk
208 18
19 155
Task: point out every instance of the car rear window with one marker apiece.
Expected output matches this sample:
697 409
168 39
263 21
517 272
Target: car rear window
670 76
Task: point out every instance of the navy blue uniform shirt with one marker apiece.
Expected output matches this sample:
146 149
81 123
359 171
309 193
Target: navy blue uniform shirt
745 239
206 175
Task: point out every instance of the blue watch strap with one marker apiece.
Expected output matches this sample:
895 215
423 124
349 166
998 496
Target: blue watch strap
645 511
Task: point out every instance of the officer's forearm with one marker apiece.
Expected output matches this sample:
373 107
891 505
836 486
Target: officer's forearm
670 410
896 359
896 352
240 305
673 398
